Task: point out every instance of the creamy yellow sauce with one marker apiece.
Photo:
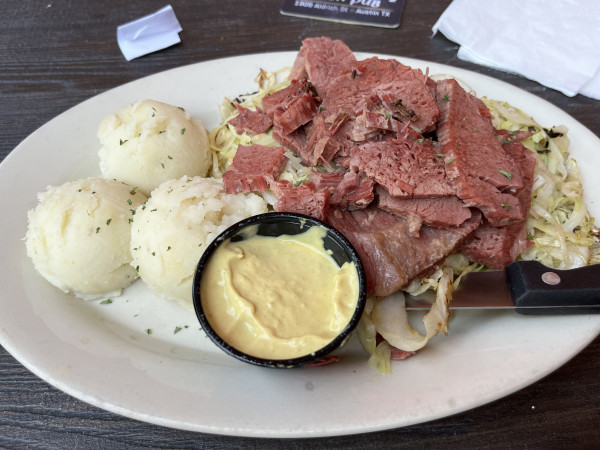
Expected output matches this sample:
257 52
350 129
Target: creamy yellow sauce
278 297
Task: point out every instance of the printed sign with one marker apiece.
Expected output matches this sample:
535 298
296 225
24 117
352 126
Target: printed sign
378 13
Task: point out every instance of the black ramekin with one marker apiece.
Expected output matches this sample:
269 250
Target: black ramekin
276 224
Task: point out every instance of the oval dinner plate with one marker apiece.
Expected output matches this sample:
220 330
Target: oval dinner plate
103 354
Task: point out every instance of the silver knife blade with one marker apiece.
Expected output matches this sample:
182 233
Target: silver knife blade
527 287
473 293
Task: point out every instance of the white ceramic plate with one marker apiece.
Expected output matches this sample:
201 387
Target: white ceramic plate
101 354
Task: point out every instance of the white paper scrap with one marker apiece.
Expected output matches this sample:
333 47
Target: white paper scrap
554 43
149 34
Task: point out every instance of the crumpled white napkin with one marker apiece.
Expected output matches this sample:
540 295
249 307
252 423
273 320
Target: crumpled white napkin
149 34
556 43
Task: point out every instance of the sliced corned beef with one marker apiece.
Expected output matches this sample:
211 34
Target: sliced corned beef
289 109
526 161
322 60
303 199
403 90
347 189
403 99
253 121
371 124
406 167
506 136
433 211
391 256
299 111
253 168
497 247
279 101
477 166
466 135
295 141
321 145
499 208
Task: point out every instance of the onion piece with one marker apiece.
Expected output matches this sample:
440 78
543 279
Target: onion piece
391 318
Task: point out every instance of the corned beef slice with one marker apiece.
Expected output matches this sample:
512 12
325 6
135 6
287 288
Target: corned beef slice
255 122
391 256
499 209
303 199
253 168
290 109
466 134
405 167
322 146
433 211
477 167
347 190
369 124
403 90
322 60
498 247
299 111
526 161
279 101
295 141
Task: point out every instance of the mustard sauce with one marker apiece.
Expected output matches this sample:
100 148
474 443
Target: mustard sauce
278 297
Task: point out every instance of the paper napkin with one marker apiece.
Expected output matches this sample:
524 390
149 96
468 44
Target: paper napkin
556 43
149 34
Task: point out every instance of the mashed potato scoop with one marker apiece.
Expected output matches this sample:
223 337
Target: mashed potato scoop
149 142
180 219
78 236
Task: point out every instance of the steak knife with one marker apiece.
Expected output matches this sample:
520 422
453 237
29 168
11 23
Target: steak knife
528 287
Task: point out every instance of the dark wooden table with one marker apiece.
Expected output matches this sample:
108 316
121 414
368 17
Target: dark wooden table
56 53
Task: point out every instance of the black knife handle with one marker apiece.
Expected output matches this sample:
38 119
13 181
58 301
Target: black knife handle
551 291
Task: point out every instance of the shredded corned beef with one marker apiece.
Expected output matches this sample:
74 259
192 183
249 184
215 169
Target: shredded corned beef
253 168
255 122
